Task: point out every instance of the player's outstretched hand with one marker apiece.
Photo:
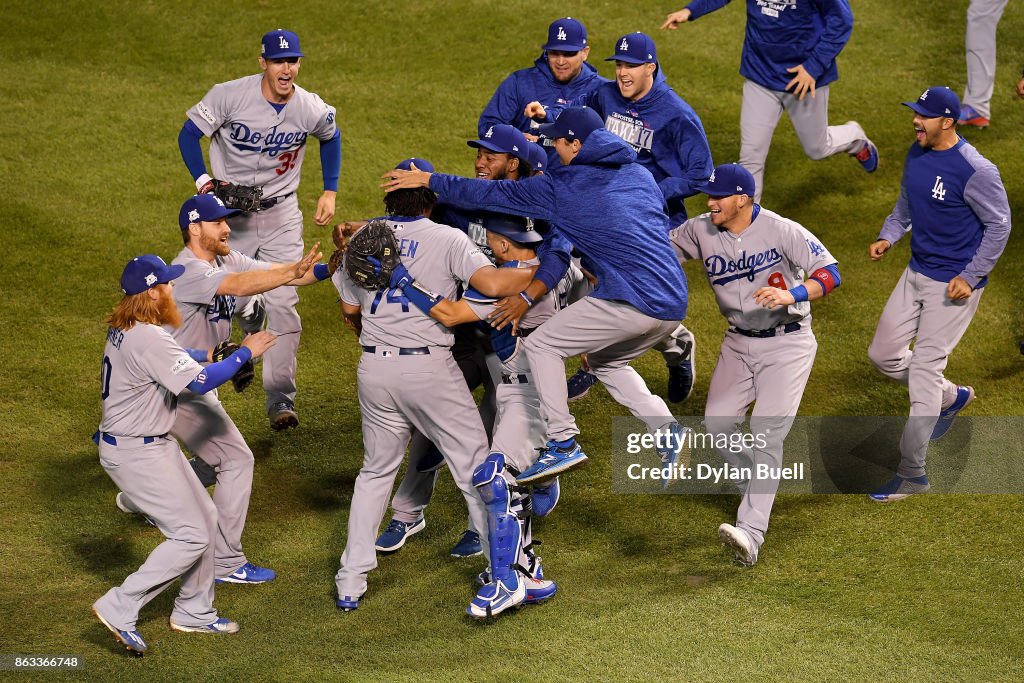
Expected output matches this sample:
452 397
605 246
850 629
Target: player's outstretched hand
404 180
311 258
325 207
958 289
1020 88
535 110
259 342
508 310
673 20
802 82
878 249
770 297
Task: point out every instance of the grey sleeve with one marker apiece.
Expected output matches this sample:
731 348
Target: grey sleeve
464 256
804 249
986 196
684 242
210 113
346 288
199 283
326 125
166 362
482 307
238 262
898 223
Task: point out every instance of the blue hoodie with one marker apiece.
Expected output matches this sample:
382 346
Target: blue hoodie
666 134
784 34
535 84
608 207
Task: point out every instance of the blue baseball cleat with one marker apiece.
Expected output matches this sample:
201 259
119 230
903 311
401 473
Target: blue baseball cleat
964 398
868 157
899 488
579 384
250 574
132 640
348 603
222 625
969 116
555 458
397 533
431 461
682 375
496 597
468 545
678 449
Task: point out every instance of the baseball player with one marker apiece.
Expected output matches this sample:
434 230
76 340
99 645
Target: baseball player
408 378
205 295
670 142
559 75
953 204
501 154
755 261
519 427
982 20
609 208
789 53
258 127
142 373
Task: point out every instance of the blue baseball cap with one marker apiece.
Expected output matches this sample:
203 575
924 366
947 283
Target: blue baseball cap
727 180
515 228
536 155
566 35
635 48
575 123
937 101
279 44
203 207
502 138
147 271
421 165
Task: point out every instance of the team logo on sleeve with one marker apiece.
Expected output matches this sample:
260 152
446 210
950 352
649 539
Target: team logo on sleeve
816 249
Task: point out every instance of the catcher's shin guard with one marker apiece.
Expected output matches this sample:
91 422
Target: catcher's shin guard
504 537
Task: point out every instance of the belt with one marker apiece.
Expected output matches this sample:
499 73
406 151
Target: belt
771 332
515 379
525 332
112 440
268 203
417 351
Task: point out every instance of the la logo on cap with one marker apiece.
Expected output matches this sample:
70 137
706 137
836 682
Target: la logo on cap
924 96
712 178
561 33
283 44
624 46
490 131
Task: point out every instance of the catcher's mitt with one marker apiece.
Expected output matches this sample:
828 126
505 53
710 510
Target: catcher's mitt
372 255
241 379
337 258
238 197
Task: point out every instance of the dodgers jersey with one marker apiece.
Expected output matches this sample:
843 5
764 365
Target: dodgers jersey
439 258
251 143
205 316
142 373
772 252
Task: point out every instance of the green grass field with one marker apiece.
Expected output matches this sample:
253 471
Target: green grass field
94 96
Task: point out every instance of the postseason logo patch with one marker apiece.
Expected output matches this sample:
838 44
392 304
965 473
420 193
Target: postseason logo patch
181 365
205 112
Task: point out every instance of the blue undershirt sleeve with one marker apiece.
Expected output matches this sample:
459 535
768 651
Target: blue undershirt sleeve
330 161
191 151
215 374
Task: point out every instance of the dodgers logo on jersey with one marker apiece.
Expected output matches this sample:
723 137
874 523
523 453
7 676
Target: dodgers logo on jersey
274 141
939 189
222 308
743 268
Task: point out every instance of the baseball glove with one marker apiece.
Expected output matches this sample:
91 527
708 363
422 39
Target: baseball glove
238 197
336 260
241 379
372 255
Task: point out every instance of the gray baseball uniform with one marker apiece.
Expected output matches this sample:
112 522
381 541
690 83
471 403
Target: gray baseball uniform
142 373
408 380
253 143
768 371
982 19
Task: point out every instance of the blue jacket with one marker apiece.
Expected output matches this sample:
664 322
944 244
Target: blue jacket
666 134
782 34
535 84
609 208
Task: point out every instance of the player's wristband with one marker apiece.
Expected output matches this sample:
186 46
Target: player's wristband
420 297
799 293
321 271
526 297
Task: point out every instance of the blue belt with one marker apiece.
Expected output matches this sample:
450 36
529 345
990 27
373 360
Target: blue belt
515 379
112 440
765 334
418 351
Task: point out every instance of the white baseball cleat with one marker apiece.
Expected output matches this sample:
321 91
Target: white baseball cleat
740 542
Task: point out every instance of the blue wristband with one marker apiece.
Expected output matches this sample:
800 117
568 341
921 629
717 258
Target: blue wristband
321 271
526 298
799 293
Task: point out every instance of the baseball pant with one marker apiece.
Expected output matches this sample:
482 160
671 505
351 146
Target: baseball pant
673 346
982 19
612 333
519 429
275 236
760 114
918 310
771 373
161 483
396 395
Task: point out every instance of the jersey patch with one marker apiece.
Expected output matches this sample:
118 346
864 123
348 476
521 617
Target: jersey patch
181 365
205 112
